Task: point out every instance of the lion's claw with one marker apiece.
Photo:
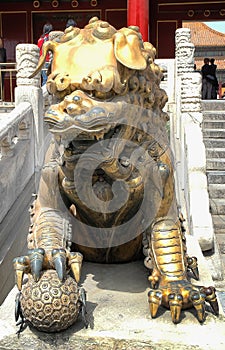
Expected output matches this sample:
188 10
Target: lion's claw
175 304
198 301
192 264
155 300
182 295
210 293
154 281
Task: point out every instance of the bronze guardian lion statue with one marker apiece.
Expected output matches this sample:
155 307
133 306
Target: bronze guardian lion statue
107 186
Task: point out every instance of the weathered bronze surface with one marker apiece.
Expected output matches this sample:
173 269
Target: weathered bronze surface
107 186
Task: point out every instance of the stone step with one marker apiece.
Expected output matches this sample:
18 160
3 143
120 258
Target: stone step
215 163
219 223
215 152
214 142
213 124
214 133
213 105
217 206
220 239
216 177
220 236
216 191
213 115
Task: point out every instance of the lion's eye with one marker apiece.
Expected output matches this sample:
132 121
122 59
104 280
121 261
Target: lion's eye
76 98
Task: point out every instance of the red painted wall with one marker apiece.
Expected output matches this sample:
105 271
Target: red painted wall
21 22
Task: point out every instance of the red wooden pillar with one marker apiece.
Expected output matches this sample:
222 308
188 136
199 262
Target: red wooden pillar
138 15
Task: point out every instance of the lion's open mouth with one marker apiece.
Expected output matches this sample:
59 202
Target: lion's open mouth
85 140
94 124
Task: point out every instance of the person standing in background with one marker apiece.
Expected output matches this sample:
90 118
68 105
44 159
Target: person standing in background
47 28
3 59
206 81
215 84
70 22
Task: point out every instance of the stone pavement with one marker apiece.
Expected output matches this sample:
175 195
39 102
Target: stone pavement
118 314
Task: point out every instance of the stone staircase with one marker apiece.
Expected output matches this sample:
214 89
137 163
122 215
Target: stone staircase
214 139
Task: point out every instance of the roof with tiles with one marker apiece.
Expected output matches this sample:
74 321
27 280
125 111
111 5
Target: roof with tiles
203 36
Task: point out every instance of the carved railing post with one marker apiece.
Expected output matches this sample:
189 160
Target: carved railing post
184 52
24 131
190 149
29 90
7 147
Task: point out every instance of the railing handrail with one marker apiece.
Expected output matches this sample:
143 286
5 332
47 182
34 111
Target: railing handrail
11 68
7 63
13 119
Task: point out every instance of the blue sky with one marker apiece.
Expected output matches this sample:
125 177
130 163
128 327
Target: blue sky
218 25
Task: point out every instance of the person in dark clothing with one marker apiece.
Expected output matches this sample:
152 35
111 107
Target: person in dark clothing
3 59
215 84
207 79
71 23
213 65
47 28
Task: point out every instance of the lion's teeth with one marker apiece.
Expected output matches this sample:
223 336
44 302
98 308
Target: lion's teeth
99 137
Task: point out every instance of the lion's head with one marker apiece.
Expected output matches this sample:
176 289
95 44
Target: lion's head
95 65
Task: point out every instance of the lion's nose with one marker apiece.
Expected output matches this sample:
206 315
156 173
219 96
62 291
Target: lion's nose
94 116
53 117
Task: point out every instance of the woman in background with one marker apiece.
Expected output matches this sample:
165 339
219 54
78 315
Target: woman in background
47 28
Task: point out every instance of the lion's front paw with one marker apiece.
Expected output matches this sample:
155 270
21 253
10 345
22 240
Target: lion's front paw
178 295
